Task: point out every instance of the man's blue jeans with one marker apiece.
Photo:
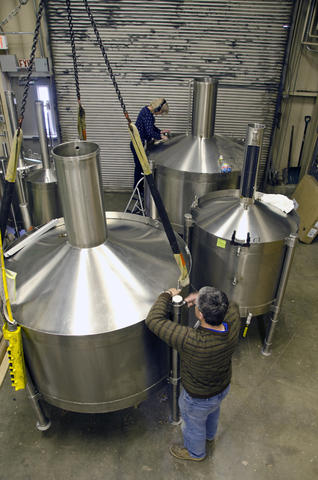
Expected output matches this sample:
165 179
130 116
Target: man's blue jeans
200 418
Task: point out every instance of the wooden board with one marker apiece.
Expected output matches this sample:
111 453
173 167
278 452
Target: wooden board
3 349
3 368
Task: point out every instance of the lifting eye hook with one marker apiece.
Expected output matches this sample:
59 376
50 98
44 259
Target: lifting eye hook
241 243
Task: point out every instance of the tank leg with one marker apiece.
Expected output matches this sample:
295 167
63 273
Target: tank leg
187 228
174 380
43 423
270 332
291 242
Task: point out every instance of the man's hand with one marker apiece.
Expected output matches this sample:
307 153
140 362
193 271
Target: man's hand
163 137
173 291
190 299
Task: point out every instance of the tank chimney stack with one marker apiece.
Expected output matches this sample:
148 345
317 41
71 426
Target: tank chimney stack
78 176
204 106
253 146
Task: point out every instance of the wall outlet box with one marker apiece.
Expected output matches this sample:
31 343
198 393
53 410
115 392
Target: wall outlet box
9 63
41 64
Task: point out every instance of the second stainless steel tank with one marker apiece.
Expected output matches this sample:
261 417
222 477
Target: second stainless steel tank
189 166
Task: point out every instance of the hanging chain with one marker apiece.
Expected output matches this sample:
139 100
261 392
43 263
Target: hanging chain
70 22
13 12
109 68
30 67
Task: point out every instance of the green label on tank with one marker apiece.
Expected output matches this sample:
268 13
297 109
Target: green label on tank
221 243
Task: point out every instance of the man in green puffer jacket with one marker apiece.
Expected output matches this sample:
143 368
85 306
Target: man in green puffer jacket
205 362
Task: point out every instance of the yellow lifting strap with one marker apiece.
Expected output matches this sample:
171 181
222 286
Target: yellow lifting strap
140 151
81 122
139 148
14 337
14 155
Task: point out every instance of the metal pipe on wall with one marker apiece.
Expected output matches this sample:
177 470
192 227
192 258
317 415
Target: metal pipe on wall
40 119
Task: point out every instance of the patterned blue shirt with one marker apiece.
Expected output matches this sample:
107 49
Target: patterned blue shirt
146 126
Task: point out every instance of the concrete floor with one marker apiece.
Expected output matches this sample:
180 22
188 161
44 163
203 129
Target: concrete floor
268 425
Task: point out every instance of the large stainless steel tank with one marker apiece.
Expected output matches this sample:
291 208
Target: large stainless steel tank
189 166
239 244
84 289
239 250
42 184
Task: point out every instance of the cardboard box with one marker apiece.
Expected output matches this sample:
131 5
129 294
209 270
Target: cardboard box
306 205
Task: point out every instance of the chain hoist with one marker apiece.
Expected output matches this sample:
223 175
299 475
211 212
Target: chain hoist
81 122
31 62
140 151
108 65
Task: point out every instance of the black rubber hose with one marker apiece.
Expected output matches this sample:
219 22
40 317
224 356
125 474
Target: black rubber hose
5 205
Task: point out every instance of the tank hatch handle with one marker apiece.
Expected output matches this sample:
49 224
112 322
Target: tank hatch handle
236 241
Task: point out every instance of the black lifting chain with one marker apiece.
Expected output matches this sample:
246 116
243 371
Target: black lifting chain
30 67
70 22
109 68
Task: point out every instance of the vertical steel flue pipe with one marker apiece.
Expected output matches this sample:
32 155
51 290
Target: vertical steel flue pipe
204 106
253 145
78 176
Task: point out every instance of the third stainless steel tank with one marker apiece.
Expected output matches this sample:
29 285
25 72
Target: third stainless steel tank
189 166
238 242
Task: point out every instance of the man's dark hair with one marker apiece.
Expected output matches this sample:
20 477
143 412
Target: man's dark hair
213 305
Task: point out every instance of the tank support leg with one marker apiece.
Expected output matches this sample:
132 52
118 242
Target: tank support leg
187 228
174 380
43 423
291 242
150 206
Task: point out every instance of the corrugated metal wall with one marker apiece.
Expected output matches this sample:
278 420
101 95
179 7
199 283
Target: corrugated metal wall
155 49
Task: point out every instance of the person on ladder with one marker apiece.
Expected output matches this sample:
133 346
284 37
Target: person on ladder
148 131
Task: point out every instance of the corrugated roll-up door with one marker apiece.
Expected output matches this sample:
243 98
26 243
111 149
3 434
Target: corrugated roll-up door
156 48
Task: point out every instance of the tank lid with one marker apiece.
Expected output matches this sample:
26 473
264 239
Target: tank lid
65 290
44 175
187 153
223 215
